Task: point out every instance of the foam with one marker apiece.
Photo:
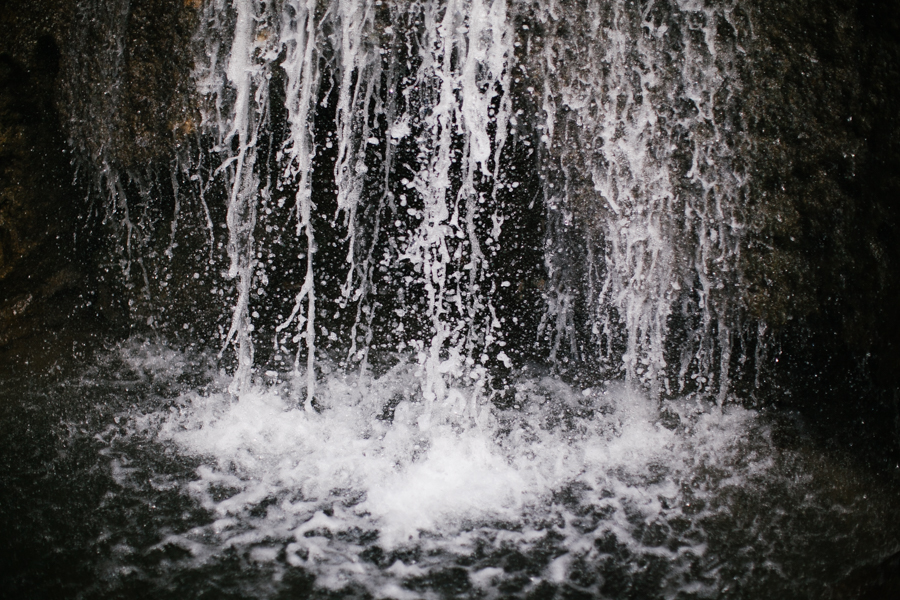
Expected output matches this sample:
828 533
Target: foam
580 469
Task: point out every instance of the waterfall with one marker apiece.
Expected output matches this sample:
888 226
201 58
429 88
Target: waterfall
430 73
377 166
431 299
646 184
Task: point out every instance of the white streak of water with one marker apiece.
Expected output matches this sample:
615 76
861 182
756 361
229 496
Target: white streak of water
639 91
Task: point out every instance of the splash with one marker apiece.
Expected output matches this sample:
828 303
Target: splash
363 496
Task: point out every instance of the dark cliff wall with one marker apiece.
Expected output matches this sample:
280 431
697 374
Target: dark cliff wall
823 262
82 83
38 204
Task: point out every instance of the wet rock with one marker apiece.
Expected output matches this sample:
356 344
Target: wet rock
825 217
128 91
32 165
87 88
38 203
46 254
872 582
822 262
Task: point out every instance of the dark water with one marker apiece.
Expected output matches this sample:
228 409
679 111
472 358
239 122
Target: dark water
99 501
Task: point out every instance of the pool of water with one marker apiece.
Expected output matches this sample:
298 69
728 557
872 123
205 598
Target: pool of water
137 473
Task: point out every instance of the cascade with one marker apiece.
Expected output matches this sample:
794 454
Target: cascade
644 134
434 129
436 81
439 298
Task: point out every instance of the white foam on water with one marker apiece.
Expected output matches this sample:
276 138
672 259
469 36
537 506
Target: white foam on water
576 469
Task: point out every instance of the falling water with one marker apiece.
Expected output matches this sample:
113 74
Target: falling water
479 268
430 112
643 132
432 74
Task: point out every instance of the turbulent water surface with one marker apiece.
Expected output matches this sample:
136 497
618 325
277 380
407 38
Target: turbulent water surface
161 481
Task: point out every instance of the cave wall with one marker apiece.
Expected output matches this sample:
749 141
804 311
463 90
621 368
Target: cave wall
823 260
65 108
38 209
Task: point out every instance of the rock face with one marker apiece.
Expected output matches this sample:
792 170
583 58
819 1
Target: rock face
33 160
827 153
82 85
823 263
39 208
127 94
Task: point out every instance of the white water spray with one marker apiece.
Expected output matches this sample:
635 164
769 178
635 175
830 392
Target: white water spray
450 97
643 131
406 109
